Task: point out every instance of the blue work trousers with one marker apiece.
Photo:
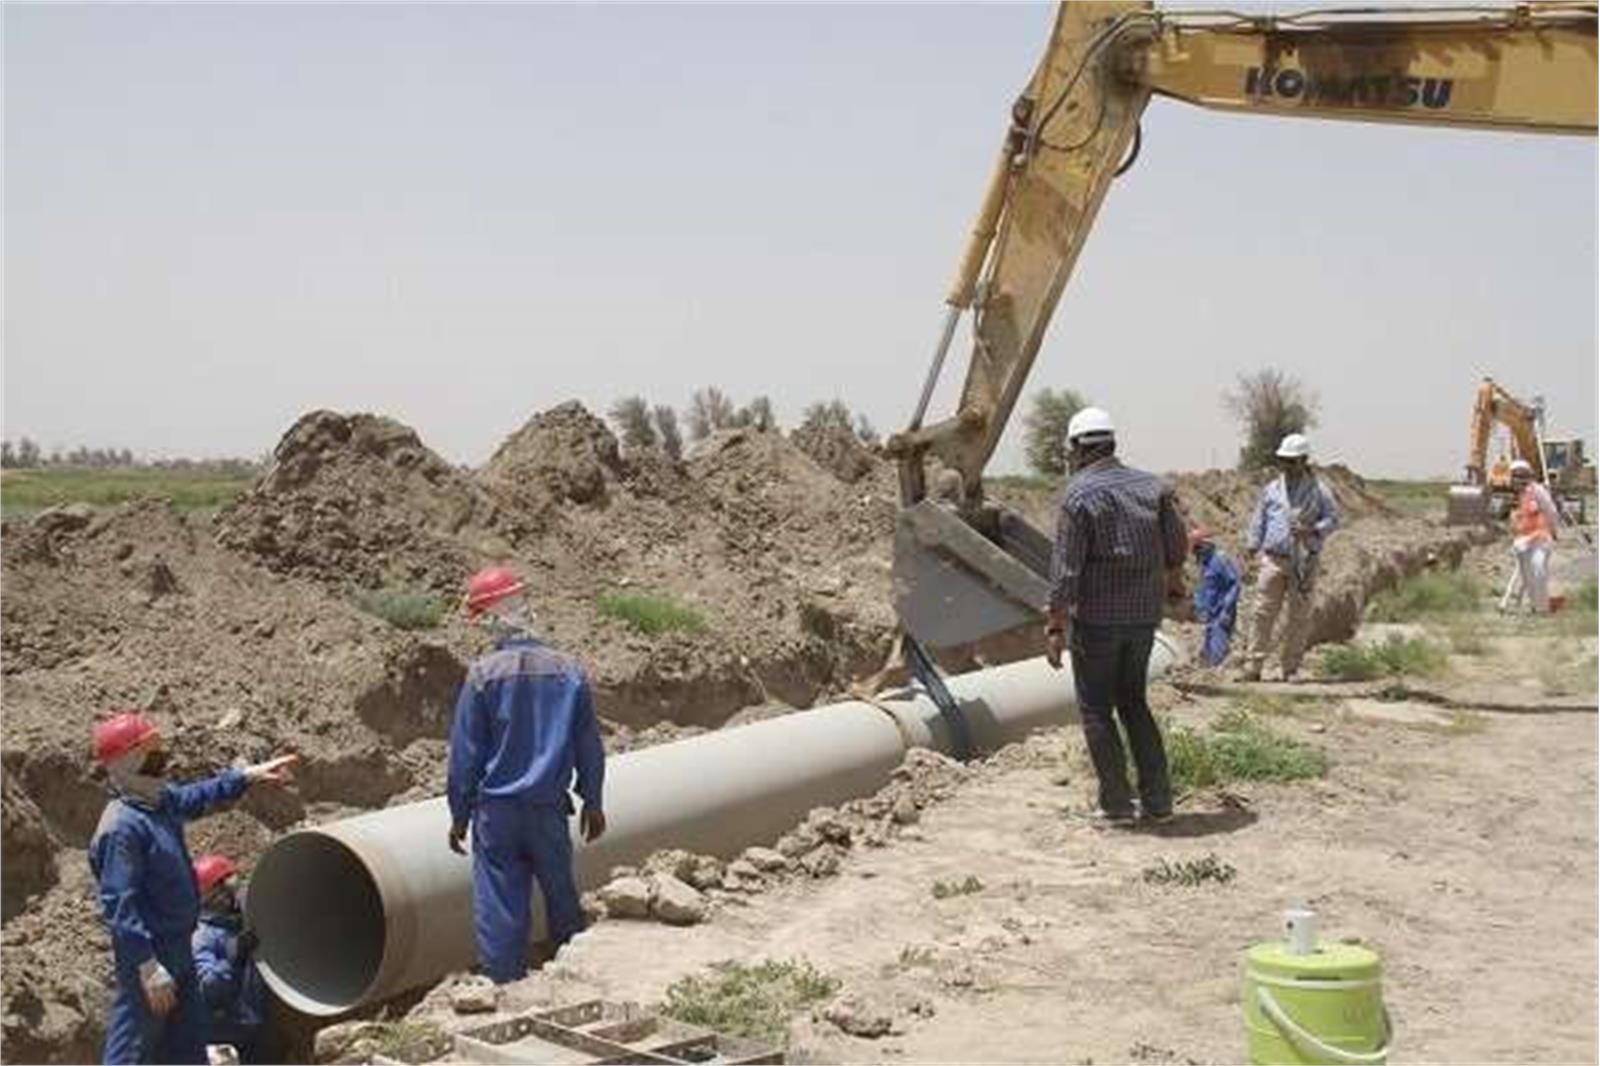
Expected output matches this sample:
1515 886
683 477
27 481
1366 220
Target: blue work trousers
1218 640
514 844
1110 667
135 1034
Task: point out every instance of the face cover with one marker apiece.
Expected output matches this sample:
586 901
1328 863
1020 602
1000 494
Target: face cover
223 899
138 774
511 618
155 763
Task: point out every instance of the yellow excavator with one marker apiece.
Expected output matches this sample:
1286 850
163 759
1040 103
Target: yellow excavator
966 568
1558 463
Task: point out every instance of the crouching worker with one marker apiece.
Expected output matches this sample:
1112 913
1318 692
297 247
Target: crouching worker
147 889
224 959
524 724
1216 596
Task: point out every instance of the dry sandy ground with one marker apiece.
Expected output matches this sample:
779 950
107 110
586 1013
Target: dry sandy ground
1460 845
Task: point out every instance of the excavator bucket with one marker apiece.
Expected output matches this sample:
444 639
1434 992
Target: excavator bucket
1467 505
955 582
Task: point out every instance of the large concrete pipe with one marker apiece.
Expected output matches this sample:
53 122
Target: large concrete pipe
356 911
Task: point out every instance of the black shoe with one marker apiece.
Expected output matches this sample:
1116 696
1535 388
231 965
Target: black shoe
1102 819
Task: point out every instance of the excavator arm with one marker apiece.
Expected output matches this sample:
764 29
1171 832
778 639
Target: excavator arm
965 568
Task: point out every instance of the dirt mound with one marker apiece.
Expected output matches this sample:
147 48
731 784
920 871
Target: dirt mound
30 859
358 499
837 449
561 455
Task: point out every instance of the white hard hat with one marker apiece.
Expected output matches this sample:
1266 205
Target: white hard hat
1295 446
1521 466
1090 423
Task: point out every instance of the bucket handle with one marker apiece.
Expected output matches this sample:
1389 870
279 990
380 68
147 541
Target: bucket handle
1308 1044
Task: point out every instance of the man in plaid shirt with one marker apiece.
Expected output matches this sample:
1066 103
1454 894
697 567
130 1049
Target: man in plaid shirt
1119 553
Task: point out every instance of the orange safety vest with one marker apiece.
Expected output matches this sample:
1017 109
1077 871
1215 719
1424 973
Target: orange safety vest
1528 520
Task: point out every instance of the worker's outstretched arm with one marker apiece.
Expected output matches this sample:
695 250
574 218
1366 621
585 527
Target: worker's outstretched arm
469 752
199 797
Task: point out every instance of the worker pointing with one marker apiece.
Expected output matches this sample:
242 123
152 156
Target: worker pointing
524 724
148 893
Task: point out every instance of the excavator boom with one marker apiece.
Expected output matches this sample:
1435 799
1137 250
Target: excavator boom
1076 125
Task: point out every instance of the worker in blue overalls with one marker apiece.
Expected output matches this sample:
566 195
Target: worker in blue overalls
224 958
147 889
524 724
1216 596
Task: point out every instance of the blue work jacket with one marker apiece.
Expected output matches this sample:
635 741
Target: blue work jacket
1216 594
524 723
229 981
142 865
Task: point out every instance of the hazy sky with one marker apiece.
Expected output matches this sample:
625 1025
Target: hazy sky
219 217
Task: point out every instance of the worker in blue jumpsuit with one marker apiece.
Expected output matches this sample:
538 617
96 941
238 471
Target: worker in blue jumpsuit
524 724
147 889
224 960
1216 596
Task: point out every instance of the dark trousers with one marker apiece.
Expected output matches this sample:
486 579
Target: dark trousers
514 845
1110 665
134 1033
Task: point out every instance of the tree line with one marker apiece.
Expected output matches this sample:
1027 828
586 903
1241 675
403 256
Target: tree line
645 427
26 454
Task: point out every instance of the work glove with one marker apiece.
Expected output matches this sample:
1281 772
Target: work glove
458 836
160 990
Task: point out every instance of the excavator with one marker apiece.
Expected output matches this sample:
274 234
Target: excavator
966 568
1558 463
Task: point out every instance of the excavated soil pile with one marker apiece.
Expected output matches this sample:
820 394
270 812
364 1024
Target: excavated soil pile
240 634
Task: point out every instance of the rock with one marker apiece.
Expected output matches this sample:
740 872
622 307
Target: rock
674 862
232 718
64 518
338 1042
823 862
622 871
797 843
767 860
627 897
30 851
859 1016
592 907
706 873
826 823
876 836
676 903
742 876
905 810
474 994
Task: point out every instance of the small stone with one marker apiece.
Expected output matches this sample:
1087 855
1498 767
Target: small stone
706 873
823 862
827 824
333 1042
264 630
627 897
676 903
232 718
767 860
474 994
795 844
858 1016
675 862
122 551
905 811
622 871
742 876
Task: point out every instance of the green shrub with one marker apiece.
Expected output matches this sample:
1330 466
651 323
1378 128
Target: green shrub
650 613
402 608
754 1001
1587 597
1428 593
24 492
1238 748
1189 873
946 889
1396 657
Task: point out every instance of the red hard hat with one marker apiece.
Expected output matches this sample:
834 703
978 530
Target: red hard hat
1199 535
491 585
209 870
120 734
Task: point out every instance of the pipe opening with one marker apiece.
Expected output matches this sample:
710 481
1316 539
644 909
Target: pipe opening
320 918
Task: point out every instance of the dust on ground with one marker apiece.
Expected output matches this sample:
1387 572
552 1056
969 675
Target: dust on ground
1458 844
240 634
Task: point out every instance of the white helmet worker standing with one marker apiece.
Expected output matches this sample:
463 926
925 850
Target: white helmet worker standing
1089 426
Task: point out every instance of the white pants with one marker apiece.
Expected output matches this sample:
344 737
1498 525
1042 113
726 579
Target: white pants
1533 574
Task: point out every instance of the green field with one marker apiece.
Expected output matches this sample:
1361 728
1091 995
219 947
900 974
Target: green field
1416 498
24 492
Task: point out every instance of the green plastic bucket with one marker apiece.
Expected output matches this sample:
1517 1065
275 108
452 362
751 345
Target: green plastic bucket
1323 1007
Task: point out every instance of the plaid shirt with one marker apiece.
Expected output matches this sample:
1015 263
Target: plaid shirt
1118 535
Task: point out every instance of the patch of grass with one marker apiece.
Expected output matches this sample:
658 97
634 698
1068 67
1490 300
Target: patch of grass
1189 873
1412 497
946 889
1428 593
407 1041
1269 704
754 1001
1568 677
24 492
1587 597
1396 657
913 956
402 608
650 613
1467 639
1025 482
1238 748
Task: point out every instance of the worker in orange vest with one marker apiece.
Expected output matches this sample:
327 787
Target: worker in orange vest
1534 522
